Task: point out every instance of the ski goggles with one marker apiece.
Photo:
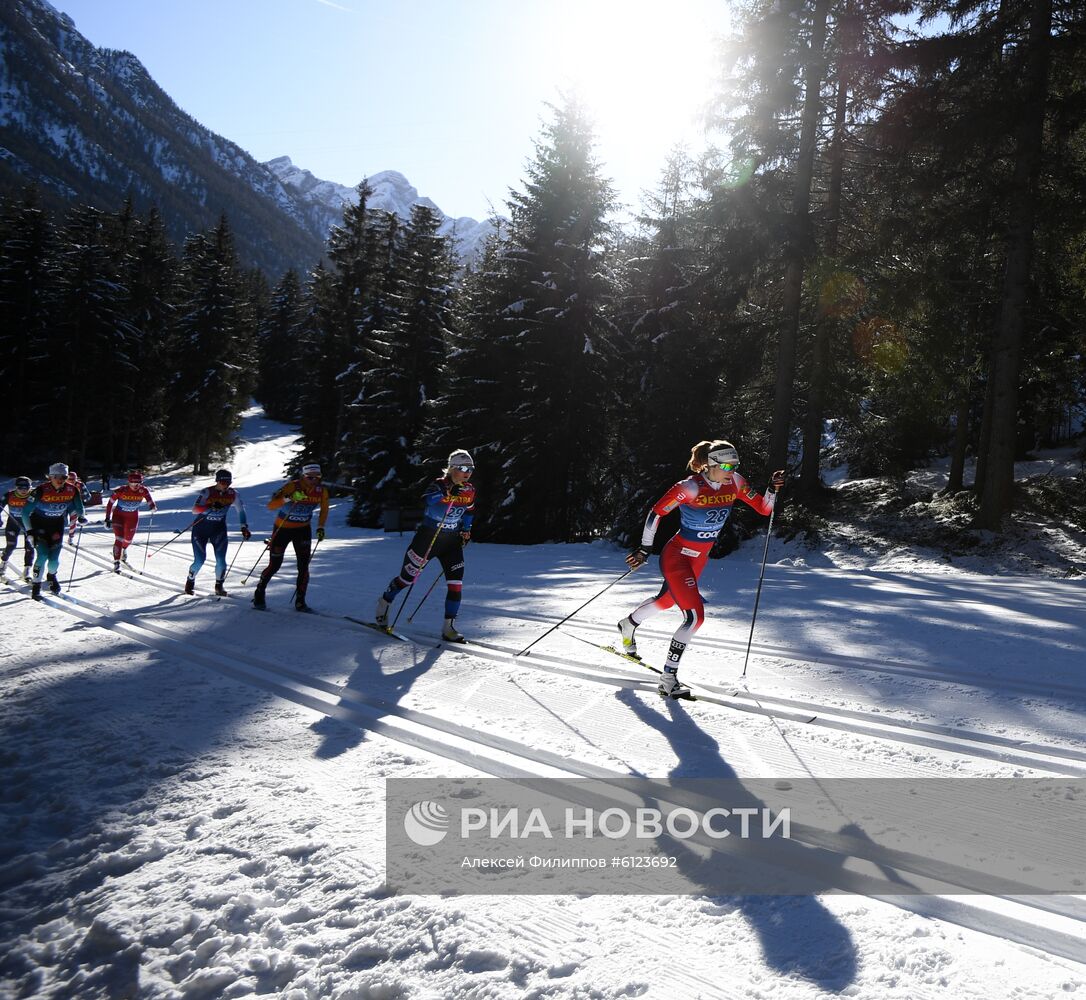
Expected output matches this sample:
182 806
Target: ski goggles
727 466
469 469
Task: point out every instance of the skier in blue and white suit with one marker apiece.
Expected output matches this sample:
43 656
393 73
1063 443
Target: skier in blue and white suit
448 511
212 506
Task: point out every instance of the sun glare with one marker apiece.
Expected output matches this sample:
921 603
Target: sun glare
644 69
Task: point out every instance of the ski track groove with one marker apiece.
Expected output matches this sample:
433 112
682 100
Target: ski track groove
1057 941
969 743
961 679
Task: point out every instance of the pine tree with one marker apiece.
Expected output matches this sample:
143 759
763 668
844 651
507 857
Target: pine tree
27 309
92 339
279 351
560 431
212 348
406 349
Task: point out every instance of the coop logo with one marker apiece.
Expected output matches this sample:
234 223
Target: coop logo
426 823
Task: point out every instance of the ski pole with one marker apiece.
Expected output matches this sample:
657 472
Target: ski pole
237 552
268 544
425 560
427 594
310 563
758 594
150 521
78 539
569 616
180 531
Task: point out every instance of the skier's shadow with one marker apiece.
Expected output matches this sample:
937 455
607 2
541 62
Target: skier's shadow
799 936
338 736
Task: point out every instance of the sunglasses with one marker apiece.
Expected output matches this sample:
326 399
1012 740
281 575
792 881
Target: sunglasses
463 468
728 466
312 478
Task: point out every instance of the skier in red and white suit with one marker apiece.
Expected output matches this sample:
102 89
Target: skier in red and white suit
123 514
705 501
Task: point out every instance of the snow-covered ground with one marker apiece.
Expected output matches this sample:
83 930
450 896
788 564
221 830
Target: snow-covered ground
193 793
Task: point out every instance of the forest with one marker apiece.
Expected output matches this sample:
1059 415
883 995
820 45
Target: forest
882 261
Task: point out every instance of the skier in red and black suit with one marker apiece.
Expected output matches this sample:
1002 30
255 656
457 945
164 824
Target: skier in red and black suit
123 514
15 500
296 502
705 501
448 513
45 517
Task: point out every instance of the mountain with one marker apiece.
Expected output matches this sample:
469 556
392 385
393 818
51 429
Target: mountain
391 193
90 125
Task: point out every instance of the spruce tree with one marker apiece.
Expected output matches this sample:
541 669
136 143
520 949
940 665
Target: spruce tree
559 428
405 351
212 350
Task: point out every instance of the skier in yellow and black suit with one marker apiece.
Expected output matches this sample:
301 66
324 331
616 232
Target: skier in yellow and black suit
296 502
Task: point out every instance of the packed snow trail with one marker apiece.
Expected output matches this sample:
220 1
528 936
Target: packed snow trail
198 802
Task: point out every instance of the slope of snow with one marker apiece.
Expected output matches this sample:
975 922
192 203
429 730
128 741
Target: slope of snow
194 792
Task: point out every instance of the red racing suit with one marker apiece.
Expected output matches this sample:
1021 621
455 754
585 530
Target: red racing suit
124 511
704 508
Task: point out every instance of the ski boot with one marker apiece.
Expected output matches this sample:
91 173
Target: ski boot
27 574
626 629
300 605
670 686
449 633
380 615
35 590
124 556
54 584
190 585
258 599
116 565
220 590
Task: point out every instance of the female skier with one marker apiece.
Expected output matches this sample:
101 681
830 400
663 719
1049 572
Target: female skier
704 500
211 508
123 514
45 516
448 512
296 502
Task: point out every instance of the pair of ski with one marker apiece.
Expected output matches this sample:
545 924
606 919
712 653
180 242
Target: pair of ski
685 695
392 634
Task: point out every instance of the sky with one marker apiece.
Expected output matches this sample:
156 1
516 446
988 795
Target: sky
451 93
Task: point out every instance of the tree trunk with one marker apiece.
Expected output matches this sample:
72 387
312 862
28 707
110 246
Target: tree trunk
798 248
1006 352
956 479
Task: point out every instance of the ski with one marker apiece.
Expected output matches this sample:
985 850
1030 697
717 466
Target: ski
378 628
688 695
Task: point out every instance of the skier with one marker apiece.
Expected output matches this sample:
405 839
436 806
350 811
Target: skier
44 517
128 499
298 499
704 500
15 500
84 495
448 513
212 506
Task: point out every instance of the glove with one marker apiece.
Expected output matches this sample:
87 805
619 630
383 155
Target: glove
246 533
636 558
297 495
777 480
81 519
465 537
109 522
320 534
